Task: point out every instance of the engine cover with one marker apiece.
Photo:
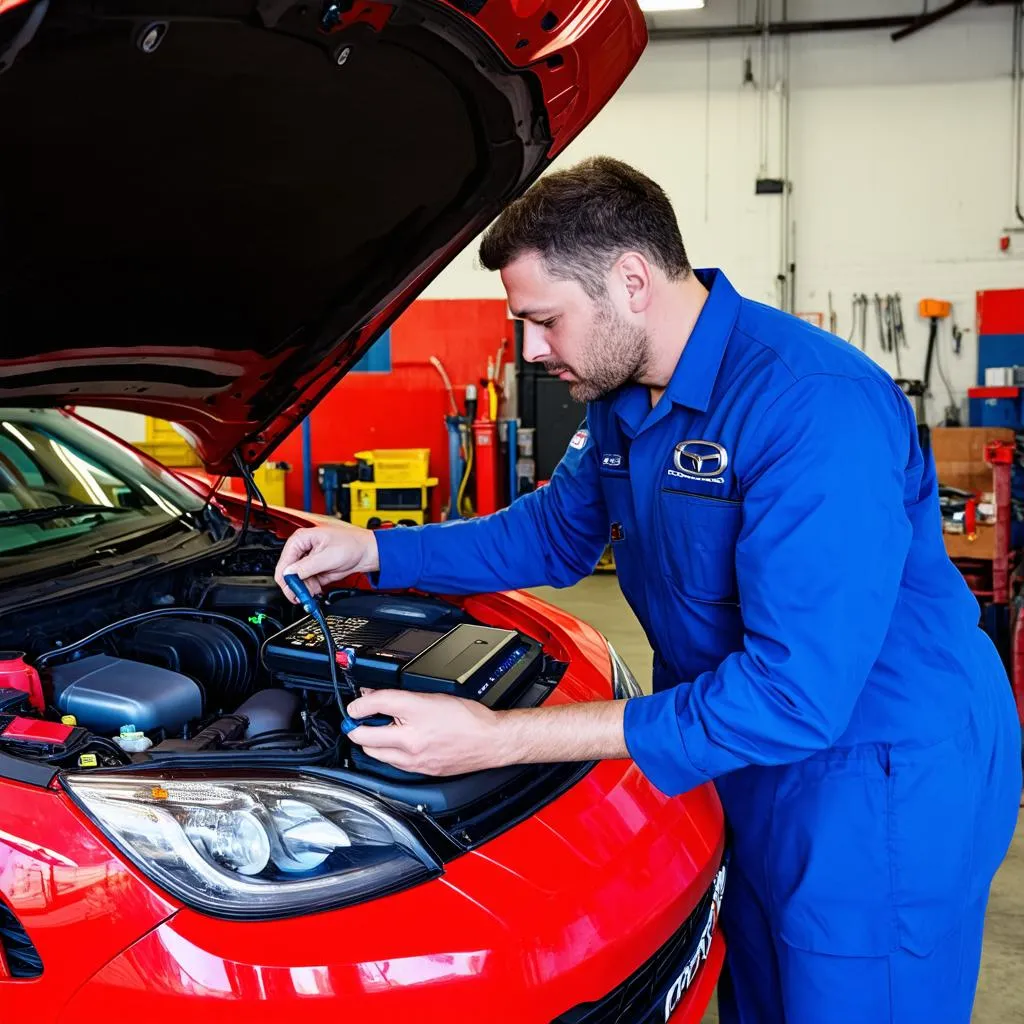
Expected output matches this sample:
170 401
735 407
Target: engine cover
104 693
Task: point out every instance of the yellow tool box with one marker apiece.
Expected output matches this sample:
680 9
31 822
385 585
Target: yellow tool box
403 505
393 486
401 466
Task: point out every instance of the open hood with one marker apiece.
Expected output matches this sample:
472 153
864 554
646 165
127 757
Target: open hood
209 209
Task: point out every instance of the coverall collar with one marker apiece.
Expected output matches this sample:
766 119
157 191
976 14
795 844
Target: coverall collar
694 377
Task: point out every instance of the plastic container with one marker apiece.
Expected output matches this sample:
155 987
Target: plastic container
15 674
131 740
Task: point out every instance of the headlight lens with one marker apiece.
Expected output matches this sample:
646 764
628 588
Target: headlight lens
624 684
246 847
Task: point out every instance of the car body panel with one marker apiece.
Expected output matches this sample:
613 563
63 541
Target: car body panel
551 913
161 317
530 924
79 902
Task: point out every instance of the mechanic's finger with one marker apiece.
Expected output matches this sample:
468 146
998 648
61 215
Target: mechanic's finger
298 545
320 561
381 702
377 737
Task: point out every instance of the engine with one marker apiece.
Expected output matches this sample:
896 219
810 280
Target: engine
239 676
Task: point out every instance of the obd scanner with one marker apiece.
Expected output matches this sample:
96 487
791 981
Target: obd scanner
379 647
476 662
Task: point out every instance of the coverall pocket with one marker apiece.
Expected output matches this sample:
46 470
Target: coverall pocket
829 857
935 826
698 544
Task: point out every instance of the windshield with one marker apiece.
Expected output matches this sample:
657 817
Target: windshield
64 484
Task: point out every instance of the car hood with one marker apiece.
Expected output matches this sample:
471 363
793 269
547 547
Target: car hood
209 209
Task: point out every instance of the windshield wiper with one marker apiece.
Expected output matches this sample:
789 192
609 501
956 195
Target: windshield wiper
41 515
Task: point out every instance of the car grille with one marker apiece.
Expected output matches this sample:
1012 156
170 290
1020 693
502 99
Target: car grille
22 957
638 1000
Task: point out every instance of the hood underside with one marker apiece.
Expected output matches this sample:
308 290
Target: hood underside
210 208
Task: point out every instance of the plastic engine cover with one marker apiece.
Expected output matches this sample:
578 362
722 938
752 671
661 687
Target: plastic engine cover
104 693
208 651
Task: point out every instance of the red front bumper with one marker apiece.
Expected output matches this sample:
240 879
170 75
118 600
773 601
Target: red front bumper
556 912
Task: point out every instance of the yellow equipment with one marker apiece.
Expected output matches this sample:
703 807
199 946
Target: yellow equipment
167 446
394 486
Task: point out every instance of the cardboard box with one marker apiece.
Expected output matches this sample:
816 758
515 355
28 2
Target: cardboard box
959 545
960 456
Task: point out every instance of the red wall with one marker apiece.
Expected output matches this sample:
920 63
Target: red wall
406 407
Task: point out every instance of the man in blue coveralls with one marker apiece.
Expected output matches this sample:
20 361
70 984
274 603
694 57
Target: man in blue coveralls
776 530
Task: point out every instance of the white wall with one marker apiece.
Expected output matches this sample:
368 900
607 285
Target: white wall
900 163
129 426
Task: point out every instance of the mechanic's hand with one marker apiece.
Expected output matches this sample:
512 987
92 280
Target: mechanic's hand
432 734
325 554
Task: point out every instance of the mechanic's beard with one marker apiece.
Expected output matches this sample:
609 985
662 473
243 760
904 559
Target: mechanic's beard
618 353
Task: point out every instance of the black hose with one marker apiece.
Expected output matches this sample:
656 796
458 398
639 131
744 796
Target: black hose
275 736
109 746
157 613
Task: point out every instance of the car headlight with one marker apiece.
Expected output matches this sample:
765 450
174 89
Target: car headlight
255 847
624 684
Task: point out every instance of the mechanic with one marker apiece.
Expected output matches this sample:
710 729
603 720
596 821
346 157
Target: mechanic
776 530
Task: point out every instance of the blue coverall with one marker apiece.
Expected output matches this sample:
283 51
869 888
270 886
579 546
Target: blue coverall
776 530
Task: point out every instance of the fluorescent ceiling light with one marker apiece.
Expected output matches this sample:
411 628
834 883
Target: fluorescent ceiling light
663 6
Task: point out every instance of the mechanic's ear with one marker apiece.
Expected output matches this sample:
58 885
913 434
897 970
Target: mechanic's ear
633 278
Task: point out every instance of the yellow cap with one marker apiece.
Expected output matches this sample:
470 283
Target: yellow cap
87 761
68 720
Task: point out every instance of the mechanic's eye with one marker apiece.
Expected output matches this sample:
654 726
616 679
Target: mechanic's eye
548 324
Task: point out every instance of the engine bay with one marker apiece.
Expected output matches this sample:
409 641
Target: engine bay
204 668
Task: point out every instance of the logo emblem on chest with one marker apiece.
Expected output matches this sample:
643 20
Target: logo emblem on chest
700 460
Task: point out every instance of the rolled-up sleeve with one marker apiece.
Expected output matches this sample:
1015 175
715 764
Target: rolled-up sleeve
553 536
819 559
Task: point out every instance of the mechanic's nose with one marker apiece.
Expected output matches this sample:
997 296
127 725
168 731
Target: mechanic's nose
535 348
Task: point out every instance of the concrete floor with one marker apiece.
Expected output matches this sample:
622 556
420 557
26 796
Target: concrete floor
1000 996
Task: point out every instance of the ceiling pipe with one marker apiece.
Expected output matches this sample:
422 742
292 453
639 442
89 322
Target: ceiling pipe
788 28
781 28
930 18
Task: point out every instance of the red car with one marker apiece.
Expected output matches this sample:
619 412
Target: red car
208 216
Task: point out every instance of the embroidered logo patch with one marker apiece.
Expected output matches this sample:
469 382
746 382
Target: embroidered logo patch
700 460
579 439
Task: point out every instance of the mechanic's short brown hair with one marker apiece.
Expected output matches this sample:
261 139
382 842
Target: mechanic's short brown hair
582 219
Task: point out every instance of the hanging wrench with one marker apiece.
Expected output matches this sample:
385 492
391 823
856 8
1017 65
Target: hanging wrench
881 326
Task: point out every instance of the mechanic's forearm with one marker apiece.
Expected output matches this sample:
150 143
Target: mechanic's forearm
574 732
508 550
